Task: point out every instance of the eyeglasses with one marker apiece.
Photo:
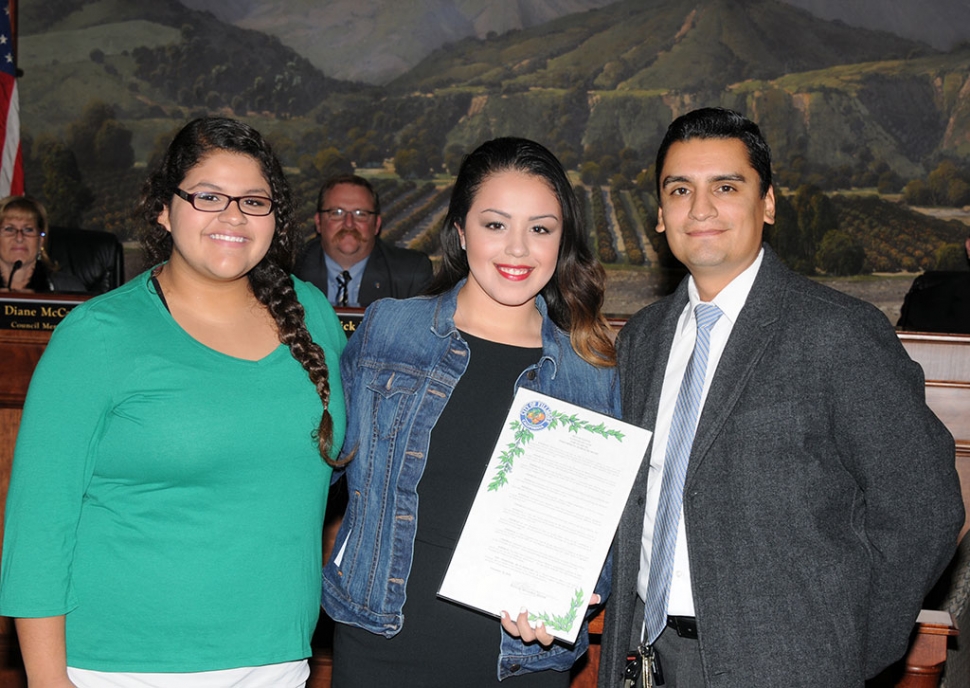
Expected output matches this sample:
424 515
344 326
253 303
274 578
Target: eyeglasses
25 232
212 202
338 214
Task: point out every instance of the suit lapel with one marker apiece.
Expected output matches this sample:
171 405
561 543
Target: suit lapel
375 283
750 338
316 265
654 352
642 382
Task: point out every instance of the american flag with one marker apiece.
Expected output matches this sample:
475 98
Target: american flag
11 165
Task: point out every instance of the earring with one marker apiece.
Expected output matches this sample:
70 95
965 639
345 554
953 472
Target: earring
463 246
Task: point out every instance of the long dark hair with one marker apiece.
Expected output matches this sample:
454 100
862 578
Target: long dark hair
270 278
574 294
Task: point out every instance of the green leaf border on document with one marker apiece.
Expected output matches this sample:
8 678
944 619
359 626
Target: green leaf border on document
562 623
522 436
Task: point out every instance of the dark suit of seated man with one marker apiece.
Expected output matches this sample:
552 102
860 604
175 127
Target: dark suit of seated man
349 263
938 301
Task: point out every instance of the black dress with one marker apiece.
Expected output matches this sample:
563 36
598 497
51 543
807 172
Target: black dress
442 643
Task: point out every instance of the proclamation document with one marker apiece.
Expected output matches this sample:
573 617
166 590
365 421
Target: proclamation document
544 516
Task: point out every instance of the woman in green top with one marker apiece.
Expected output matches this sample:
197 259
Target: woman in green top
164 518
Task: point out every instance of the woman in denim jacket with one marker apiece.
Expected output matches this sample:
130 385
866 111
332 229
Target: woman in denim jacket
516 302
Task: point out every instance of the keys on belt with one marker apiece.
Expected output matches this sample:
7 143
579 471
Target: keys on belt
643 668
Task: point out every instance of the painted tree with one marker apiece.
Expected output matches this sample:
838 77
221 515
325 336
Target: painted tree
64 192
839 254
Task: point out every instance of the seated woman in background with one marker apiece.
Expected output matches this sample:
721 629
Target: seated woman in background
164 519
24 265
429 380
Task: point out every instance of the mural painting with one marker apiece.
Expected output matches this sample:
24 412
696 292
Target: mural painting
868 114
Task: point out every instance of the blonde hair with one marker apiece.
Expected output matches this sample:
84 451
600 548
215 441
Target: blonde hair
25 206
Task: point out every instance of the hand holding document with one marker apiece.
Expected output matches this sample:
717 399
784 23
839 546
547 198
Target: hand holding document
544 516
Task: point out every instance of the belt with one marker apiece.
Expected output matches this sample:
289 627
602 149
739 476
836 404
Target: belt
685 626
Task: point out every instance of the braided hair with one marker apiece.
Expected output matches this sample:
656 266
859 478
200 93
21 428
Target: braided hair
270 279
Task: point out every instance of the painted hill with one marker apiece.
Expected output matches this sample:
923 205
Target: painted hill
657 44
828 95
597 83
376 40
155 59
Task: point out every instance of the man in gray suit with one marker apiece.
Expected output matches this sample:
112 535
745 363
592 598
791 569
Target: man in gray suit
798 498
349 263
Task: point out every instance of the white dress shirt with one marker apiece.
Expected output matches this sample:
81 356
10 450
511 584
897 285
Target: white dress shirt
730 300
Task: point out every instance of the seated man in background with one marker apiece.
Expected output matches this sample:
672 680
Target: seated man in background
349 263
938 301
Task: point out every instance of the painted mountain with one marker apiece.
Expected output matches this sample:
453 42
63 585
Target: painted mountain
106 82
609 77
377 40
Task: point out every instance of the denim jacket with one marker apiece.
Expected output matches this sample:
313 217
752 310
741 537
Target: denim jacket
398 376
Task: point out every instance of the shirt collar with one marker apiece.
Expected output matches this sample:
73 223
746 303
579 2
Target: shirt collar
356 270
731 298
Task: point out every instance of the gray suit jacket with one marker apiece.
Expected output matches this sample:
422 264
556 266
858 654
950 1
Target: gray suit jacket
390 271
821 500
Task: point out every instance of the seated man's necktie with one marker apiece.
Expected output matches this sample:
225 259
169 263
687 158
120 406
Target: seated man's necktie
343 279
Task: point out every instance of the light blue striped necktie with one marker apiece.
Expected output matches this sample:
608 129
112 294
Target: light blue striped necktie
679 444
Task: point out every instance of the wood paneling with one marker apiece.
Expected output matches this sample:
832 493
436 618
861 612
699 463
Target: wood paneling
945 359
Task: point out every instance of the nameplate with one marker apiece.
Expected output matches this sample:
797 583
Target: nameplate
350 318
33 314
42 314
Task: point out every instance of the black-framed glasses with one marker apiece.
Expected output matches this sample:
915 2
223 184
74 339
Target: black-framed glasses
25 232
212 202
338 214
